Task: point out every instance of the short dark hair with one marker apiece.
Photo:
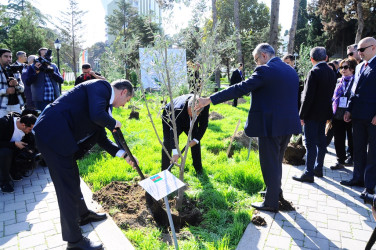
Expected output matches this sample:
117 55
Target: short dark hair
330 64
335 62
122 84
86 66
41 49
240 65
2 51
20 53
318 54
289 56
350 62
28 120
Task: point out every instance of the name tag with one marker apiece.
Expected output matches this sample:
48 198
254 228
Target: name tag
342 102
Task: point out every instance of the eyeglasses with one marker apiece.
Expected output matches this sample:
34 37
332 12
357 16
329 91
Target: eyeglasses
256 59
350 54
363 49
344 67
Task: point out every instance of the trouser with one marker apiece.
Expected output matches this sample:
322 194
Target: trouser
6 159
41 105
65 176
364 134
235 102
271 152
341 128
315 145
3 112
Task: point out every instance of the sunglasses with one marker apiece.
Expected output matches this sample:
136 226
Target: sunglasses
350 54
344 67
363 49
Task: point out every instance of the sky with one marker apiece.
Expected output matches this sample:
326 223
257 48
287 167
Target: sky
94 20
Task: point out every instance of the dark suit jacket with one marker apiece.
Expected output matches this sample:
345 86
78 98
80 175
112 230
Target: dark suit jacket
183 119
80 113
273 111
7 130
317 94
235 77
363 102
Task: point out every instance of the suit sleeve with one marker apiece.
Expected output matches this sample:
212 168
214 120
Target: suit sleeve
242 88
56 75
308 94
107 144
202 124
98 98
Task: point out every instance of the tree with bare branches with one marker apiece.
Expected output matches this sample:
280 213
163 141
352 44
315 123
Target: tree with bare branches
292 31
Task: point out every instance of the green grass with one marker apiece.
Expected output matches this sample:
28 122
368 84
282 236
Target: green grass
66 87
224 193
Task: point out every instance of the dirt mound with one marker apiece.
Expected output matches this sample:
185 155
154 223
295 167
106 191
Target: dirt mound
243 140
128 207
240 101
294 154
258 220
215 116
134 115
285 205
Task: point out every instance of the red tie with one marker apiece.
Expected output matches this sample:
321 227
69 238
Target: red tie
365 65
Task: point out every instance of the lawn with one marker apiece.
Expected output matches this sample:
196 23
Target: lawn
223 193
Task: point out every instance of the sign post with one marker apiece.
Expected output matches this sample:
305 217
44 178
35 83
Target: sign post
159 186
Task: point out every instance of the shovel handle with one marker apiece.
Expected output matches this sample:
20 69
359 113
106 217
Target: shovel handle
172 164
119 138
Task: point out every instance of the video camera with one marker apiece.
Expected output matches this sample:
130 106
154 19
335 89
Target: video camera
45 62
369 199
12 69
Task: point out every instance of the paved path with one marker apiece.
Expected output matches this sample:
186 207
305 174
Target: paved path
328 216
30 219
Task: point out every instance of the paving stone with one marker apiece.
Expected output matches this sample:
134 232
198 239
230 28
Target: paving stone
353 244
8 241
293 233
329 234
55 241
16 228
339 225
7 216
42 227
24 197
278 242
31 241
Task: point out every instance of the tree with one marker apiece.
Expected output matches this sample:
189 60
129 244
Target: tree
294 23
237 27
302 25
215 21
274 18
71 28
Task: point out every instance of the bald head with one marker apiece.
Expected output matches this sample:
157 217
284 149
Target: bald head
367 48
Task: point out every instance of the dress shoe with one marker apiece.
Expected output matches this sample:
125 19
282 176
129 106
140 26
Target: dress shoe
337 166
263 193
304 178
318 173
366 191
92 217
349 162
261 206
84 244
352 182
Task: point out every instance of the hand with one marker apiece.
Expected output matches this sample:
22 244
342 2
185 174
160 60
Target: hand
192 143
175 158
37 65
302 122
117 125
20 144
202 102
13 83
11 90
347 115
373 120
374 212
130 162
92 73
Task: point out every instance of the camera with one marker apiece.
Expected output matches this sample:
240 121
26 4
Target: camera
369 199
12 69
45 62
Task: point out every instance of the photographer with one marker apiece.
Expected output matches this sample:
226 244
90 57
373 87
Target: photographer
11 88
13 128
44 77
87 74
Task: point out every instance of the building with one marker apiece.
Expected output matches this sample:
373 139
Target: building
145 7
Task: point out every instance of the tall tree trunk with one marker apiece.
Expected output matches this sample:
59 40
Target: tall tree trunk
74 48
294 23
215 20
274 18
237 27
359 31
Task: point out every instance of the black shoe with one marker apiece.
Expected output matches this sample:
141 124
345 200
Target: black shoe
337 166
349 162
304 178
366 191
352 182
263 193
16 177
84 244
318 173
92 217
260 206
7 188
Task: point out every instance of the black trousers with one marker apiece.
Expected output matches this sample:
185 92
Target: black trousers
195 150
341 130
271 151
6 160
65 176
364 162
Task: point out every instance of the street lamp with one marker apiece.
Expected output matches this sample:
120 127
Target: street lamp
57 45
96 61
295 56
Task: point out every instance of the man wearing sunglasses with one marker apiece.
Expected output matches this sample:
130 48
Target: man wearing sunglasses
353 53
362 112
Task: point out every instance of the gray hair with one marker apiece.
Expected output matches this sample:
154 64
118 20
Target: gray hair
31 59
191 104
352 46
264 48
20 53
122 84
318 54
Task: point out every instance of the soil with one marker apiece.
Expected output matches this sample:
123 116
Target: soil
294 154
215 116
134 115
240 101
131 208
285 205
258 220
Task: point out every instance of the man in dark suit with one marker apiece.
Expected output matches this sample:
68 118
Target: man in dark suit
273 116
64 131
316 109
183 117
362 112
236 77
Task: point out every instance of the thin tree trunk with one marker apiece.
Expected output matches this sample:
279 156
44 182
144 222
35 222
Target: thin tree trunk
237 27
215 20
294 23
359 31
73 47
274 18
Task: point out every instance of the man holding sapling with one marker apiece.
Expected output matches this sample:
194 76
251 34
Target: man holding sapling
273 116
